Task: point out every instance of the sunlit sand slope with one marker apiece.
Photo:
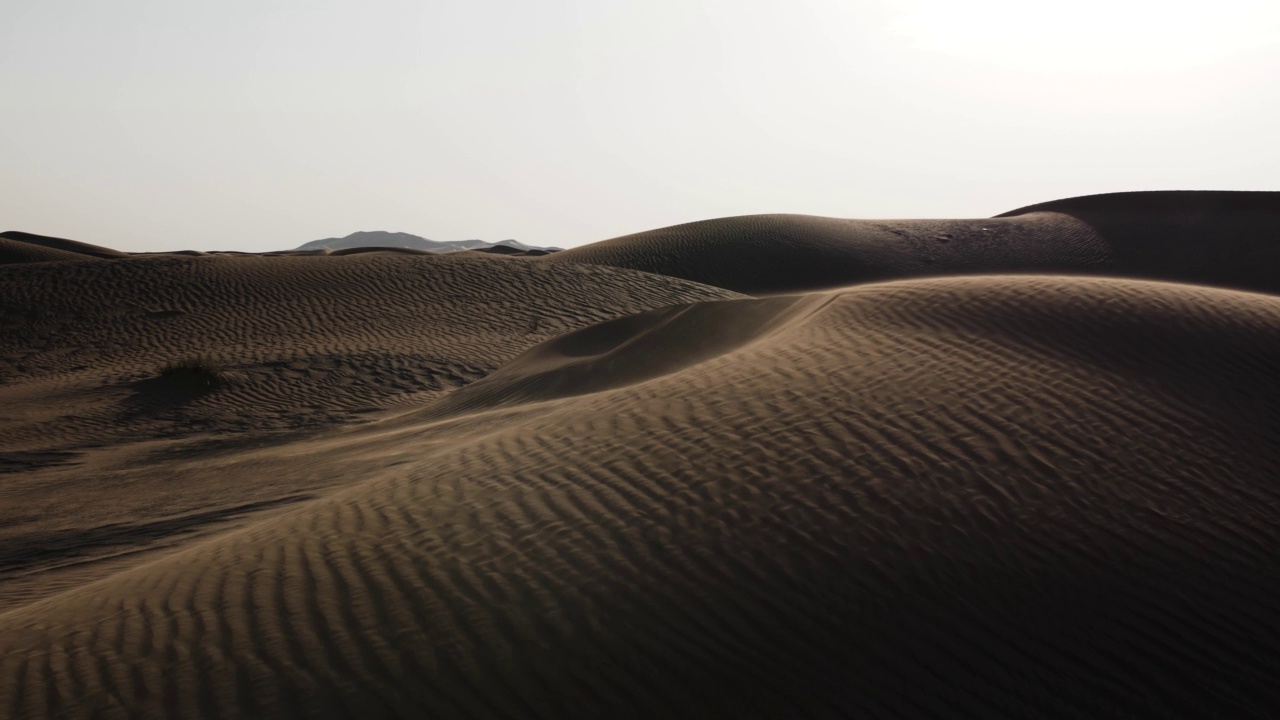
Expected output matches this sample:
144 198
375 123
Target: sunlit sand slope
1217 238
962 497
103 456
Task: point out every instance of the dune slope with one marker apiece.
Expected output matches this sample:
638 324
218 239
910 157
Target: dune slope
960 497
302 340
20 247
103 455
758 254
1231 239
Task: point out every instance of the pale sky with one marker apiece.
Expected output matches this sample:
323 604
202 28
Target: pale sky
263 124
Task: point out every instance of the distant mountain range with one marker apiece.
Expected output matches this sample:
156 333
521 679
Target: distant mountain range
380 238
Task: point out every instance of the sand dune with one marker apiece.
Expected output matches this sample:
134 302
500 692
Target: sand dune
1216 238
15 251
305 342
21 247
995 497
762 254
580 491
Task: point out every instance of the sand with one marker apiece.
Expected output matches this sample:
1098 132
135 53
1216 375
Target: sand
1218 238
488 486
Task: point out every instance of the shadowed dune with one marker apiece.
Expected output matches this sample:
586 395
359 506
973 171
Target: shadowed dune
625 351
381 250
1021 497
1231 239
1219 238
762 254
585 491
16 251
21 247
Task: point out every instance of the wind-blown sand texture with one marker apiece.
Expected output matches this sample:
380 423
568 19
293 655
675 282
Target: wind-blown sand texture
978 496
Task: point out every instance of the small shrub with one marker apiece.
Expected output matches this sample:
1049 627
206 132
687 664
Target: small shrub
197 371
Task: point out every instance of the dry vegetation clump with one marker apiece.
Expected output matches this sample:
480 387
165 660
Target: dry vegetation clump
196 371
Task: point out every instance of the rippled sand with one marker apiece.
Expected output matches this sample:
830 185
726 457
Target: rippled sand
606 483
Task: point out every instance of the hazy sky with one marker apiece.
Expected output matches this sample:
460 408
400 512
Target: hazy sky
262 124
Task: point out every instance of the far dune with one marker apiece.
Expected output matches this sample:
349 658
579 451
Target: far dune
19 247
1213 238
304 343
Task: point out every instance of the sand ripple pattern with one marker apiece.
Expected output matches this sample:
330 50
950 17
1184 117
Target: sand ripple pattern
305 341
974 497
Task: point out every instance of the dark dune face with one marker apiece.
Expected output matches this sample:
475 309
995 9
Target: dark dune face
302 344
1230 239
73 246
21 247
582 491
15 251
766 254
1218 238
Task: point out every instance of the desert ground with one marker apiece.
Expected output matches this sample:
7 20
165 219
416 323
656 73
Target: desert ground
775 466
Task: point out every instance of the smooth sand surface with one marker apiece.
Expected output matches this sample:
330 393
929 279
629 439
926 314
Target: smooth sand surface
1217 238
993 495
21 247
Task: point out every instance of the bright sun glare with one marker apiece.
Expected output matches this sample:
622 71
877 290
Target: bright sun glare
1091 35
